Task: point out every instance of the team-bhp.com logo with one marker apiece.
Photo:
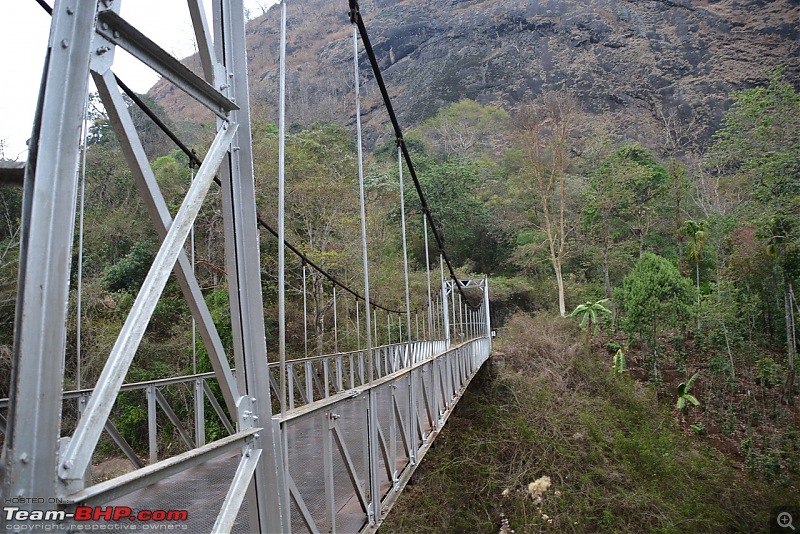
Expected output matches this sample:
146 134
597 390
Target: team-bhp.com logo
14 517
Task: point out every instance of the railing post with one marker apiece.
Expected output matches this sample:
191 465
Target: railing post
290 384
435 392
413 419
327 461
199 413
339 372
326 375
392 434
309 381
151 424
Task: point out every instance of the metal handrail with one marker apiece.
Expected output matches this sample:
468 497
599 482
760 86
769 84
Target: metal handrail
77 393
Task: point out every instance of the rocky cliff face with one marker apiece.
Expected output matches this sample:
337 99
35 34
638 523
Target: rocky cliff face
660 71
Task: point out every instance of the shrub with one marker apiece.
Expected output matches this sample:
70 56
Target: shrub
129 272
654 296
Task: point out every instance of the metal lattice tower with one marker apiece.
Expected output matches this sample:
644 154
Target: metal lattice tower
83 39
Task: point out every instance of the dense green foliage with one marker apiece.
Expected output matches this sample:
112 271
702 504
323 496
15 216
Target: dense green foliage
699 256
654 296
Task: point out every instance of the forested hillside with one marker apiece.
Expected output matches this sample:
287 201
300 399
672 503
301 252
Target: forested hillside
632 167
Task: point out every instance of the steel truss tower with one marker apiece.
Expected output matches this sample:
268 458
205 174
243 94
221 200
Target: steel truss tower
37 462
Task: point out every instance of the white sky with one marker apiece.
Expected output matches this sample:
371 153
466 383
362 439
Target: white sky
24 28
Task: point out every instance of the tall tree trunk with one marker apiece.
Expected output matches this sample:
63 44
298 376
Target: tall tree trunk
697 278
788 387
546 125
562 305
606 277
641 243
555 257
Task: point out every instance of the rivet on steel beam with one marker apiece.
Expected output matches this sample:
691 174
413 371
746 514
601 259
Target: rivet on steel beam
64 43
24 458
104 25
70 11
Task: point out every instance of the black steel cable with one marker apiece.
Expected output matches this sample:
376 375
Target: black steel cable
355 18
322 271
195 160
45 7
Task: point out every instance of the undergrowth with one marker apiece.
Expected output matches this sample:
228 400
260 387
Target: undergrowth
616 458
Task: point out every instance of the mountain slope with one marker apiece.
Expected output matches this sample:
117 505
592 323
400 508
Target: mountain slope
646 67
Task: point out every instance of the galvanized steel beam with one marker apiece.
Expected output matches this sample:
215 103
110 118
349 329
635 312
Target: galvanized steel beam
266 494
48 218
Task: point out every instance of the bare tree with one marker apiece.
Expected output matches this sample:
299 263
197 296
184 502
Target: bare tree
544 128
264 5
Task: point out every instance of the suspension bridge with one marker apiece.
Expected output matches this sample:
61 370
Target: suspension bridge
323 443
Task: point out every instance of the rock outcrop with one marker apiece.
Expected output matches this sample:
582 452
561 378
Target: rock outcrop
660 71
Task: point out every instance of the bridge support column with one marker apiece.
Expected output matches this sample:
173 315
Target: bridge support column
48 218
265 496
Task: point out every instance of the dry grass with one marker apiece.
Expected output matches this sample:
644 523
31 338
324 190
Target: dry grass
542 349
554 442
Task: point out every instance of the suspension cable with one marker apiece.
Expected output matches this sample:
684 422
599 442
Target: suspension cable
79 289
194 158
405 246
193 259
357 83
355 18
281 221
